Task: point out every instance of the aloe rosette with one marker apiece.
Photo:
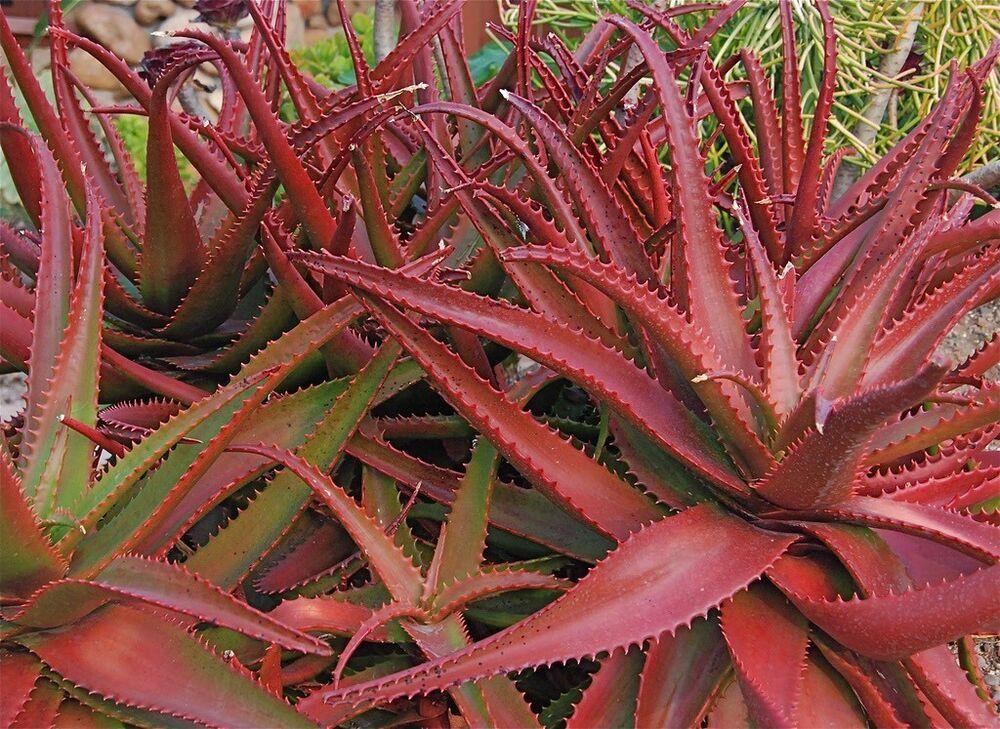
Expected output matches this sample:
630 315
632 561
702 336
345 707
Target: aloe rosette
495 404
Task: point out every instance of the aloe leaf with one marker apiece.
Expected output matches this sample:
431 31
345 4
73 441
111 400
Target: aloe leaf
227 557
699 279
770 672
59 464
592 492
27 558
163 585
402 578
682 675
610 698
460 547
832 451
631 596
634 395
173 674
51 311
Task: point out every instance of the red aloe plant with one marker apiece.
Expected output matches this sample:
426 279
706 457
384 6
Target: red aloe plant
507 406
763 386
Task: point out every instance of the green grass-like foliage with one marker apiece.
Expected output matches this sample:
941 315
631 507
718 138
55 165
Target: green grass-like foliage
564 397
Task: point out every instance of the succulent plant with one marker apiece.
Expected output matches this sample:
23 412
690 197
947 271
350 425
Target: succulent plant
506 409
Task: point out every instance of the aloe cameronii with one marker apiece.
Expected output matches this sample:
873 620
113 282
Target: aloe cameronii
551 398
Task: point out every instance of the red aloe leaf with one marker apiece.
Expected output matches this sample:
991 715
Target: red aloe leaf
135 207
866 684
379 618
802 223
460 82
631 596
780 364
20 673
311 548
608 225
43 115
681 676
948 460
830 698
860 309
172 674
227 557
957 491
393 567
961 238
948 687
78 127
893 626
631 392
213 293
212 167
327 614
978 498
27 559
592 492
310 209
52 295
766 124
821 468
18 154
610 698
722 102
668 328
138 417
913 339
380 498
59 466
41 708
302 97
699 275
386 74
524 512
770 672
454 595
381 234
982 360
954 529
791 103
965 421
164 585
172 250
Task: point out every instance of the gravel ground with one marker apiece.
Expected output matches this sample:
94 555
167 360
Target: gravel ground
970 334
12 389
989 661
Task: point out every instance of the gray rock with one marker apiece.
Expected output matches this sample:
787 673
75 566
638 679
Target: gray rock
93 73
114 29
148 12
